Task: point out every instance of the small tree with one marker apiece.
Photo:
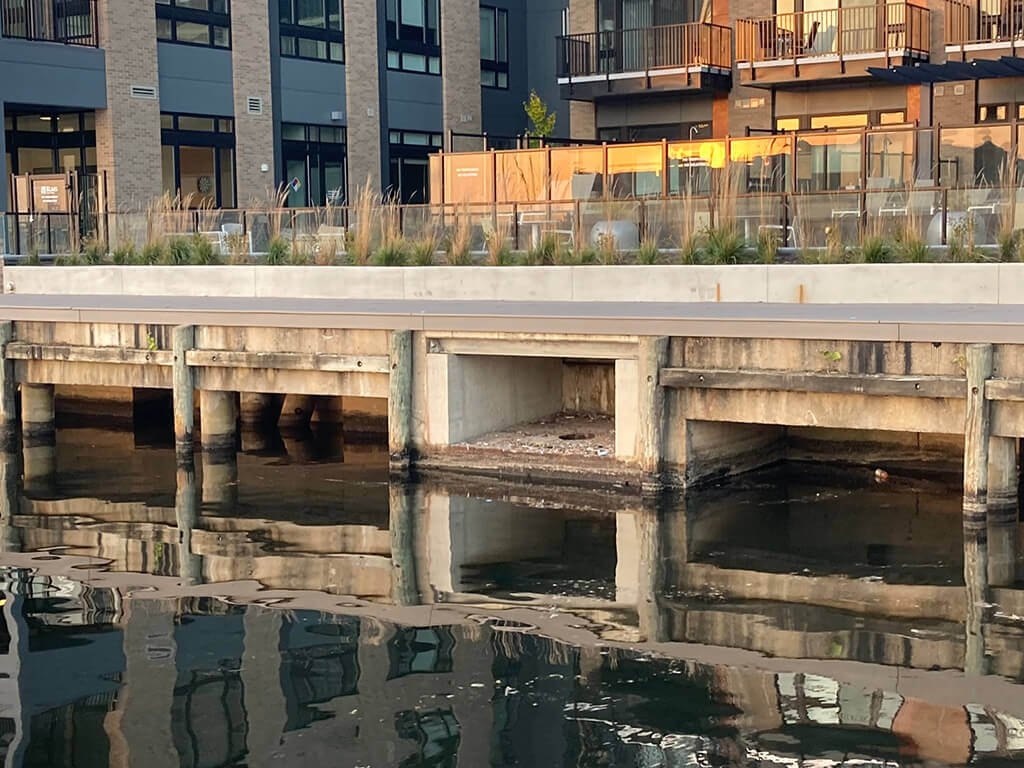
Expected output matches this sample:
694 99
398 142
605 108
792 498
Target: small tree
542 122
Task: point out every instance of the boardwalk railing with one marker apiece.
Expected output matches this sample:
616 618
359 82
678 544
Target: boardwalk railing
72 22
640 50
835 32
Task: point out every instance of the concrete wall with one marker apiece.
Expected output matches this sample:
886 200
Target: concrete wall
472 395
817 284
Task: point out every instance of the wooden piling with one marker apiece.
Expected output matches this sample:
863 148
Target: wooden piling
184 339
8 392
977 427
652 356
402 525
400 440
186 510
1002 511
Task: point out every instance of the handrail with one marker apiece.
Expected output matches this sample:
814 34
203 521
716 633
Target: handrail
966 24
71 22
834 32
643 49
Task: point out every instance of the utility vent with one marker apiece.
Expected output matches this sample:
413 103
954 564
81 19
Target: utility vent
254 105
143 92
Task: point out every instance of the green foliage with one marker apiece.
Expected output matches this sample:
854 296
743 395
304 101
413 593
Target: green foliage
394 253
278 251
423 251
95 251
178 252
911 249
648 252
203 251
298 256
587 255
125 253
543 252
724 244
768 243
542 122
151 344
1008 242
153 253
690 251
875 250
72 259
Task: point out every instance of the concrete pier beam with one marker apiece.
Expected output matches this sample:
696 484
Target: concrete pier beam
296 412
977 428
218 412
652 357
183 386
400 426
1002 511
8 391
39 434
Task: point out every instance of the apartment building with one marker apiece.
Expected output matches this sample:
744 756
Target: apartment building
225 101
686 69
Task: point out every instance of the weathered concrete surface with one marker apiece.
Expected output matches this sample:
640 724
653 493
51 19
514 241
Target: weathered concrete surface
815 284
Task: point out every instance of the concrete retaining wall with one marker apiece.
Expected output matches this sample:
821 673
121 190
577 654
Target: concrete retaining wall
815 284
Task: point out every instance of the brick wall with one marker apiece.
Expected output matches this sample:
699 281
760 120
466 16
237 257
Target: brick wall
582 118
128 130
954 103
460 66
254 133
362 95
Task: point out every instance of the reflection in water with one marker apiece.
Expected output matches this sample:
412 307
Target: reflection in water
764 623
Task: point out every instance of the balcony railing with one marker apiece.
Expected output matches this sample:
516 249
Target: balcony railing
837 32
984 23
641 50
72 22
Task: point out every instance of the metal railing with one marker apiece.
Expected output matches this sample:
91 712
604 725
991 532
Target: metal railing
882 27
71 22
641 50
983 23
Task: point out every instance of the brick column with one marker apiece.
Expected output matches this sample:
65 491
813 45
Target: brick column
254 129
460 66
362 94
128 130
582 116
746 106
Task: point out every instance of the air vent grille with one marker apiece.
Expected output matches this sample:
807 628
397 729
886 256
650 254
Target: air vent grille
143 92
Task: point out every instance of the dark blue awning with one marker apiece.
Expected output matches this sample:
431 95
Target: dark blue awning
977 69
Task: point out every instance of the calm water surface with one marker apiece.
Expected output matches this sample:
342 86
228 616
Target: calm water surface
300 610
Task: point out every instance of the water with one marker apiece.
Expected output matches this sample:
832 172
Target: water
299 610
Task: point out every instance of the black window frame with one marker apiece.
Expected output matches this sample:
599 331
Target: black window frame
175 14
496 65
309 147
412 39
54 140
290 29
217 139
399 151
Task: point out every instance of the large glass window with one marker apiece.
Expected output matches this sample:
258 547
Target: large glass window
314 156
50 142
413 36
194 22
974 157
827 162
198 156
410 152
312 29
493 47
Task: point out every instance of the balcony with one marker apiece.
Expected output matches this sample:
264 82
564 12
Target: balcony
70 22
984 30
676 57
838 44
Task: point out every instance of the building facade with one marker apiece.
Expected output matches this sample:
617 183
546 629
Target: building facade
226 101
684 69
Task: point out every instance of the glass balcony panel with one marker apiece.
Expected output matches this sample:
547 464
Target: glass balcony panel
534 222
828 162
615 218
977 216
760 164
815 217
692 165
975 157
576 174
635 170
672 222
756 214
890 160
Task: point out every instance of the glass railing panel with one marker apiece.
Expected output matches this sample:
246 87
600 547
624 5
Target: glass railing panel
760 164
692 165
671 223
618 220
817 218
533 223
758 214
635 170
577 174
977 216
978 156
890 160
828 162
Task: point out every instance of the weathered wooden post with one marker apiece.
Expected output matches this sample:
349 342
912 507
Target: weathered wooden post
652 618
186 510
402 526
975 503
8 392
1002 511
183 386
400 443
652 356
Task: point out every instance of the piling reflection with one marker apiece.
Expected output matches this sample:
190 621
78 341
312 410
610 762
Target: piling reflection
433 623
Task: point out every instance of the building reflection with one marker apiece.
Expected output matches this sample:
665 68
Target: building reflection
780 566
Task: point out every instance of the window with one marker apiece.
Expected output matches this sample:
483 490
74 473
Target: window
410 173
314 155
50 142
413 36
312 29
783 124
194 22
199 159
992 113
859 120
493 47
